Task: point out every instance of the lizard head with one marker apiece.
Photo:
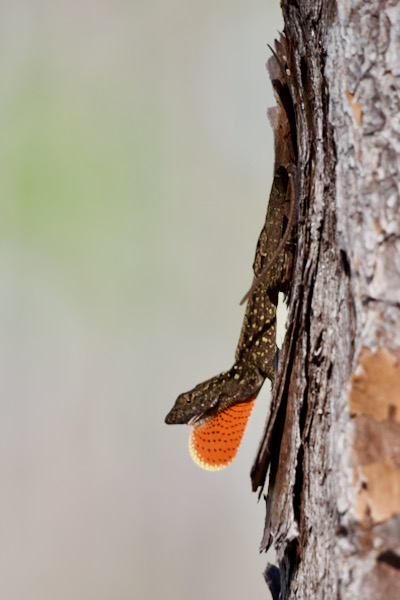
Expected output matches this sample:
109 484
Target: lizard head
214 395
192 406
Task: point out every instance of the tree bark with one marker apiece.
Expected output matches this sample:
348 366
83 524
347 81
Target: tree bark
332 441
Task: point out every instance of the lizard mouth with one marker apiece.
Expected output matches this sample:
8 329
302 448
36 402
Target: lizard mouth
178 417
198 420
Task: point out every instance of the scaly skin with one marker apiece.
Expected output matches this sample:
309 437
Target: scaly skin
256 351
216 395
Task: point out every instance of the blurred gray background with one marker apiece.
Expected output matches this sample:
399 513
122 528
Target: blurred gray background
136 161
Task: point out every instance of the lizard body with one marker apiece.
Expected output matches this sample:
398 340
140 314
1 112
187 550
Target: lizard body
219 408
282 243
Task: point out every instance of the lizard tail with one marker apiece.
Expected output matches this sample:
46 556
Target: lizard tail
213 445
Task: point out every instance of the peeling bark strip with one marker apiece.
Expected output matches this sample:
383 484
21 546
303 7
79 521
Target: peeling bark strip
332 441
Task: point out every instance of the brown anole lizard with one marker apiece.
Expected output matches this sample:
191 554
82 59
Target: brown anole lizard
219 408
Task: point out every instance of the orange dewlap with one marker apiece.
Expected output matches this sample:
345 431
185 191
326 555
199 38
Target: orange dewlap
213 445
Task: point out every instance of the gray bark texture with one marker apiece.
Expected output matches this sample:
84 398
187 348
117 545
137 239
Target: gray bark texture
332 441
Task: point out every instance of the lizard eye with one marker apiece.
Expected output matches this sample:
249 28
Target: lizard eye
188 400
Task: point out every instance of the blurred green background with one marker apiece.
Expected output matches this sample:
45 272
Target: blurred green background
136 160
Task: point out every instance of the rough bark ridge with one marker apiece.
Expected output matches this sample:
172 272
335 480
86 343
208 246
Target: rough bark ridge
332 442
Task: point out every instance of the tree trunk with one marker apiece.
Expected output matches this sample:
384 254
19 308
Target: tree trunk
332 441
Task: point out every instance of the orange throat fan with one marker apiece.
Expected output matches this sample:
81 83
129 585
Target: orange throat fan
213 445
